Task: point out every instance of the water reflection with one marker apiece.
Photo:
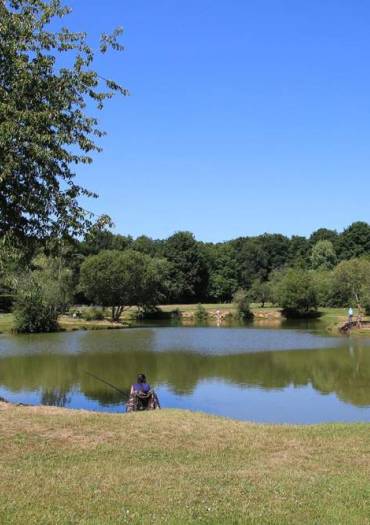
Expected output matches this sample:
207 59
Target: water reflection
181 361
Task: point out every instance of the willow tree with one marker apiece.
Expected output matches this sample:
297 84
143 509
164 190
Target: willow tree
45 129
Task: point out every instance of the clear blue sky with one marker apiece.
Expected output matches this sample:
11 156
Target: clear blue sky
245 116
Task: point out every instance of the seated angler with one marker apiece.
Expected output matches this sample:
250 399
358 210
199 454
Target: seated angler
142 397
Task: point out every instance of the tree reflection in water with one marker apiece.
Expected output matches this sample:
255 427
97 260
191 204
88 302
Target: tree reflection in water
57 369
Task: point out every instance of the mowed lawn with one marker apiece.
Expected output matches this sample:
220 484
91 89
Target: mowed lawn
61 466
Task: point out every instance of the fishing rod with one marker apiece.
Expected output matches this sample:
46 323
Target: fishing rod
106 383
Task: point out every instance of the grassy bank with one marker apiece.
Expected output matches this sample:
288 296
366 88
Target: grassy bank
330 320
60 466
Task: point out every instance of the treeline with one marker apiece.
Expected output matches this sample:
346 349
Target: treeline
298 274
212 272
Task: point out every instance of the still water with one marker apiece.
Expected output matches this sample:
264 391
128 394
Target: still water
258 374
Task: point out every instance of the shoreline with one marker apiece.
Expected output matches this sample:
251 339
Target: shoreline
330 320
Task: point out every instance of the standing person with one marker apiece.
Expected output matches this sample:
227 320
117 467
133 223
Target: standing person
350 314
142 397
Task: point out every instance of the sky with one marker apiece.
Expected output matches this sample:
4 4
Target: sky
244 116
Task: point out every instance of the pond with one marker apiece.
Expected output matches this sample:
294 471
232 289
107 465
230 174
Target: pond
259 374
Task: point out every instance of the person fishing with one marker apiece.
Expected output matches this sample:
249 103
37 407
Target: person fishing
142 396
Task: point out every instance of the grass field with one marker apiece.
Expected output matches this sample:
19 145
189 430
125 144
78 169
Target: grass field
61 466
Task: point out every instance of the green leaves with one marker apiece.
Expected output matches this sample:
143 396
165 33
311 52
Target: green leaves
44 127
123 278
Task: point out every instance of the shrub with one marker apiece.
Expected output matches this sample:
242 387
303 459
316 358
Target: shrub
93 314
201 314
295 292
241 301
41 296
33 312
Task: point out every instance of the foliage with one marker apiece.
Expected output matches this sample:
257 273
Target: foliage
323 234
354 241
323 256
93 314
260 292
33 313
350 280
44 128
121 279
323 282
41 296
241 301
365 298
295 292
222 268
201 314
98 237
257 257
189 273
298 253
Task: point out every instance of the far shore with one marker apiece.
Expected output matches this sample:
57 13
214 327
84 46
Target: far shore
330 320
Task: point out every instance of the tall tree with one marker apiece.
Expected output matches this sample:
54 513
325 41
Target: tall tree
354 241
323 234
189 268
323 256
44 127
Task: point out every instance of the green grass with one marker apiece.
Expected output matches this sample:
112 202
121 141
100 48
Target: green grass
177 467
6 322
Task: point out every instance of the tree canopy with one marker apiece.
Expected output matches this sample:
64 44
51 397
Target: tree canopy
45 129
119 279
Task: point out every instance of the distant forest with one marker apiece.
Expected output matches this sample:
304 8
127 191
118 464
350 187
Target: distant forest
212 272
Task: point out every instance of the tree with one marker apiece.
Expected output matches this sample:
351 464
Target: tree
323 282
294 291
323 256
189 274
350 281
222 270
323 234
99 237
121 279
299 248
354 241
147 245
44 128
260 292
257 256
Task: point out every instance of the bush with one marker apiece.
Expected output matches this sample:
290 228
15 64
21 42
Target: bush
295 292
201 314
41 296
93 314
33 313
241 301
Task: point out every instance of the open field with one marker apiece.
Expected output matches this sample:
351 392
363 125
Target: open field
61 466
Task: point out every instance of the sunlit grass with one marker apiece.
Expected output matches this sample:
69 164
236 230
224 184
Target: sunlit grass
60 466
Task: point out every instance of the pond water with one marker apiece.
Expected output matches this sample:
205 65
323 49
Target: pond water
258 374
